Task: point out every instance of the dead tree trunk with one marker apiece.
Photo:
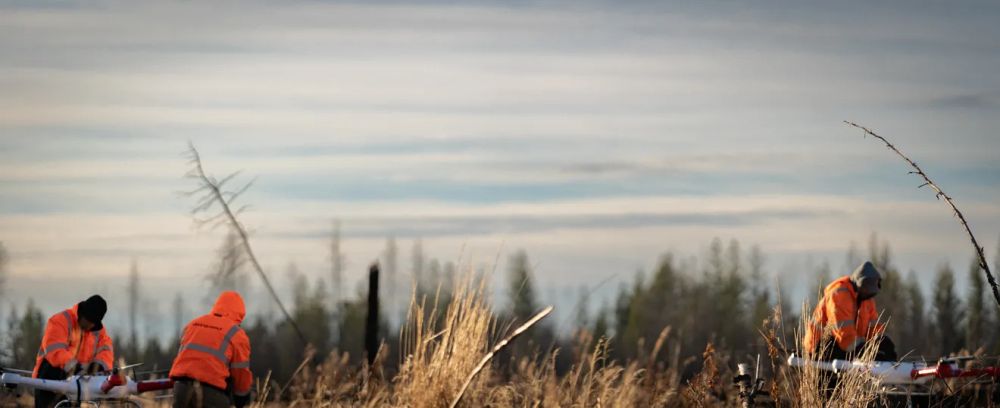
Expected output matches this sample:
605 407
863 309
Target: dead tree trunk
371 323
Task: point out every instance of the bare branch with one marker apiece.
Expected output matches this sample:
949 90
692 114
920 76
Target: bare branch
496 349
939 194
226 179
227 216
230 196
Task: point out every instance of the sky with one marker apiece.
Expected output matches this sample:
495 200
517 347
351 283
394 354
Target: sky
594 135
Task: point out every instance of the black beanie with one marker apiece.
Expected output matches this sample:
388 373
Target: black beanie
93 309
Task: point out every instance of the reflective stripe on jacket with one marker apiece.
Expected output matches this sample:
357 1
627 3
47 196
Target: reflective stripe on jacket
65 344
215 349
839 314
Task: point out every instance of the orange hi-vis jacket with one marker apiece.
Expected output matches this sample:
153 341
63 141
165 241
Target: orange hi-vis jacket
65 344
838 311
215 349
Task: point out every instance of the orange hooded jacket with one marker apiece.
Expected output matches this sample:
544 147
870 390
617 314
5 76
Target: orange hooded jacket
838 311
215 349
65 344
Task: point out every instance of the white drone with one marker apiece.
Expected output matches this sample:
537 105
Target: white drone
116 389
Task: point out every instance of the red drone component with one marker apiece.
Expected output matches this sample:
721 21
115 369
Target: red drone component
946 370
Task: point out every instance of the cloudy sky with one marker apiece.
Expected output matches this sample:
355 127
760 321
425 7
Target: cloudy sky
594 135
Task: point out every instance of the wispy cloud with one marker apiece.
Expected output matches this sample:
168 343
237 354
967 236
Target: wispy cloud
594 134
978 100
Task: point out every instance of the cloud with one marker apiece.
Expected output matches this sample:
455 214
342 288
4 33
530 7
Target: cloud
595 135
431 227
979 100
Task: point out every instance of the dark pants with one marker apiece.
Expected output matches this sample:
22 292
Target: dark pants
193 394
831 351
47 399
828 350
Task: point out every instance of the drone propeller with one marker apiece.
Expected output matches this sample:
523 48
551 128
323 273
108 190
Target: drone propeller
126 367
122 367
152 372
956 359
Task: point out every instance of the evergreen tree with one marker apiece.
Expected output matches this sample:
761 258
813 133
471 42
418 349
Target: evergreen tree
389 264
623 310
760 304
521 288
25 333
915 330
948 312
132 350
891 299
601 325
977 319
337 263
227 271
634 316
852 257
823 277
3 273
179 321
581 316
993 329
433 275
728 291
417 266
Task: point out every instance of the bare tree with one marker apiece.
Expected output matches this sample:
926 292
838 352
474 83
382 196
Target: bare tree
150 311
226 273
418 265
134 300
389 263
178 314
3 269
3 273
212 193
938 193
336 266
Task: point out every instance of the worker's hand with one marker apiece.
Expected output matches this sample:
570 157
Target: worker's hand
76 369
94 368
859 350
241 401
886 350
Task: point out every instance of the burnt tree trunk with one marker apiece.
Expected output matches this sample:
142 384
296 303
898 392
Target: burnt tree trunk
371 323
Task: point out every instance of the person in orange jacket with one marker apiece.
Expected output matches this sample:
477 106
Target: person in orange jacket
845 319
75 342
214 358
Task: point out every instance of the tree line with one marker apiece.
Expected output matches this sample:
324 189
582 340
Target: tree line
723 297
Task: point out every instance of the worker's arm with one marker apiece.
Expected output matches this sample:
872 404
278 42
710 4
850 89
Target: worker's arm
875 328
105 356
841 305
239 368
55 342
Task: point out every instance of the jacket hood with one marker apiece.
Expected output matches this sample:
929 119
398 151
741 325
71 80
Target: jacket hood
230 304
867 280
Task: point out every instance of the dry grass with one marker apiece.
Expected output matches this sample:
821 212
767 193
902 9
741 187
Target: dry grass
807 386
441 347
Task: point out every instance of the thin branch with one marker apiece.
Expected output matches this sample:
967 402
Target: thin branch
496 349
230 196
226 179
216 195
939 194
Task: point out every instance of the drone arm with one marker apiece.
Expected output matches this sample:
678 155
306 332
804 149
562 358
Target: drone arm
152 385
